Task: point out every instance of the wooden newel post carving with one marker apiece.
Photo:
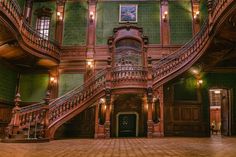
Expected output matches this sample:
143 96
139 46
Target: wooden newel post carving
46 119
14 124
149 118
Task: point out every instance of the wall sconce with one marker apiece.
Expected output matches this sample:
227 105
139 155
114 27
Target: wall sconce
164 17
199 82
91 16
52 80
196 16
102 100
59 15
90 64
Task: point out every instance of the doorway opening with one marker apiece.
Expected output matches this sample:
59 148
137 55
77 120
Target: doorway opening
127 124
220 111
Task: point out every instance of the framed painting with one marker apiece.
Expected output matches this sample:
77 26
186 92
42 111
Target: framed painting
128 13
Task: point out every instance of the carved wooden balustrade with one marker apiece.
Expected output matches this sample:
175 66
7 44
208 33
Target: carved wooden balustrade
129 76
31 37
34 115
74 99
179 61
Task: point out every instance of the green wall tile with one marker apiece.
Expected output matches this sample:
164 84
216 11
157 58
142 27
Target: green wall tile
33 87
203 10
68 82
180 21
8 79
21 4
75 23
108 18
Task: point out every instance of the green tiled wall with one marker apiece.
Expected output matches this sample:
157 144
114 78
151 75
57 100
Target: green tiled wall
75 23
22 4
8 79
69 81
203 10
180 16
52 6
186 89
33 87
108 18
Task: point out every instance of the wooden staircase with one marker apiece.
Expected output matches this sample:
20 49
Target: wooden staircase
50 115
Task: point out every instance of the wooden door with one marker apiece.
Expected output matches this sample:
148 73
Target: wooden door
127 125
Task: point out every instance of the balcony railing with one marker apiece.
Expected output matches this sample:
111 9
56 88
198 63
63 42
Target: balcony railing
31 37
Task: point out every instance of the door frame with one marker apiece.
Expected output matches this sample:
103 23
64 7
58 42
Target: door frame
117 121
230 102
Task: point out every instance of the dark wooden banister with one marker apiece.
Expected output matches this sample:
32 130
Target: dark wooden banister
77 97
31 37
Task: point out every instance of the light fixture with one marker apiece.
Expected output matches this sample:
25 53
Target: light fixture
52 80
196 16
91 16
217 91
199 82
59 15
164 17
102 100
90 64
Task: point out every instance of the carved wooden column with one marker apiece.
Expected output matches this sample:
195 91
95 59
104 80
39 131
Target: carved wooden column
149 99
195 16
59 21
91 29
28 10
107 124
165 25
149 114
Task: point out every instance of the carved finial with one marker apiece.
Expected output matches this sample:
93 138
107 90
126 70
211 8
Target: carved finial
17 99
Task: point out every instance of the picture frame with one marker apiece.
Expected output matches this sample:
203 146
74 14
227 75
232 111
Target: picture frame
128 13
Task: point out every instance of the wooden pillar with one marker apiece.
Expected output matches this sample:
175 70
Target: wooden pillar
161 101
195 16
28 10
149 114
59 21
165 25
90 38
96 120
91 28
107 124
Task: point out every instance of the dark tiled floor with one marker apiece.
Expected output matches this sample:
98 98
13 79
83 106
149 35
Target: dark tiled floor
141 147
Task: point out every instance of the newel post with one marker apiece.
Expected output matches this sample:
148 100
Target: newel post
14 124
46 119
